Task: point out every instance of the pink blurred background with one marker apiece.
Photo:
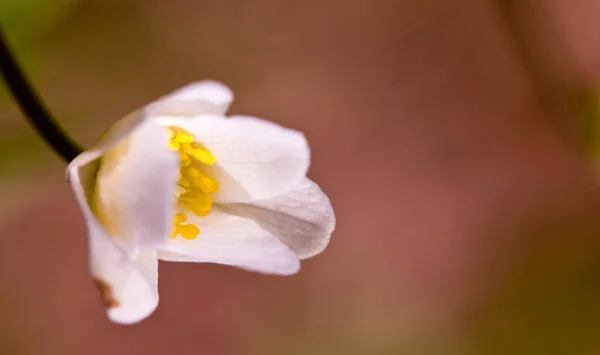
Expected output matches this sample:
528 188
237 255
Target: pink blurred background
447 134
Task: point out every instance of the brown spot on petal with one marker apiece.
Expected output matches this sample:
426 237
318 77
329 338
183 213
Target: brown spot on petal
106 293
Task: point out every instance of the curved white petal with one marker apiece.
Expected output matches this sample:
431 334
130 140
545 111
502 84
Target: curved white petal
112 137
200 98
302 219
135 185
128 282
256 159
134 284
232 240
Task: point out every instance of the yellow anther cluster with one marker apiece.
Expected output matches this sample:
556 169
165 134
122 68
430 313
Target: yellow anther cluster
194 187
187 231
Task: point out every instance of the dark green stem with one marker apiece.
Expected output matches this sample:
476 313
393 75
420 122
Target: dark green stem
32 106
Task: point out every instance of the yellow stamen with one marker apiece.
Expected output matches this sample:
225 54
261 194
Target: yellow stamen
185 183
188 231
179 190
192 172
203 155
184 160
173 145
208 185
185 146
179 218
181 137
194 186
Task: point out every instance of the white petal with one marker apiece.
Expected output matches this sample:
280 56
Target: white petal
256 159
134 195
128 281
117 132
134 283
199 98
302 219
232 240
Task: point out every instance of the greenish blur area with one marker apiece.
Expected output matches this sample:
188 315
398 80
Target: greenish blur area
26 23
25 20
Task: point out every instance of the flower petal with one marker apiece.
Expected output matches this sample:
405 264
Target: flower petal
200 98
134 283
232 240
255 159
128 282
135 188
117 132
302 219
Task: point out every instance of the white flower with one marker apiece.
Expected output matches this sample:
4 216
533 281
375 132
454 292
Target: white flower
179 181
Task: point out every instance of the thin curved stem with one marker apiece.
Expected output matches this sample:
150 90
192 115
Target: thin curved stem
32 106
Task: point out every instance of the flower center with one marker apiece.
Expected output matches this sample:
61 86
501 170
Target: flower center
194 187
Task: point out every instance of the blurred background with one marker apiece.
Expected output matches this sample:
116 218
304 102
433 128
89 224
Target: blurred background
456 139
